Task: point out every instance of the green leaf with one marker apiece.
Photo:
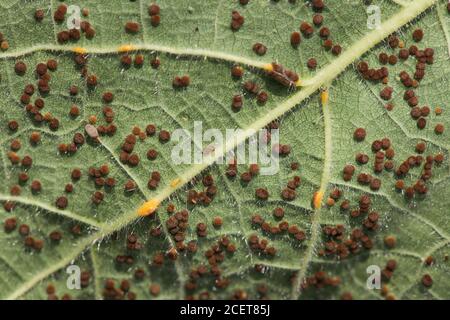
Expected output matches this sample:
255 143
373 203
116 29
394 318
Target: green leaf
195 39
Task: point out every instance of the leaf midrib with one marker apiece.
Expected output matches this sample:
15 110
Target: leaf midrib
324 76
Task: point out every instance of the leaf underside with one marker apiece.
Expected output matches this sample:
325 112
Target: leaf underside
194 38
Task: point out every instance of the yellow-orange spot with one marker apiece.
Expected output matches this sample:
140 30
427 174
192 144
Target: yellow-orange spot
438 111
401 44
175 182
79 50
268 67
126 48
148 207
317 199
298 83
324 97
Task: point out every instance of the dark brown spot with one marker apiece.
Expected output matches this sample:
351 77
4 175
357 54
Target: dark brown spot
132 27
417 35
20 68
61 202
259 49
295 39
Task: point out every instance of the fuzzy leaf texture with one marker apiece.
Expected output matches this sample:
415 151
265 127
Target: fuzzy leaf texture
392 212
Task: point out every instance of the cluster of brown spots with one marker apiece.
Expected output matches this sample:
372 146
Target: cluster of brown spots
335 232
60 13
68 35
154 13
320 280
364 205
78 141
423 57
33 243
204 197
336 244
133 243
51 294
382 149
389 269
285 77
86 27
341 246
371 222
153 181
261 246
251 87
124 260
81 61
100 178
307 30
215 255
237 20
34 110
110 292
334 197
253 171
72 34
374 75
347 172
127 156
4 45
419 187
177 225
283 227
289 192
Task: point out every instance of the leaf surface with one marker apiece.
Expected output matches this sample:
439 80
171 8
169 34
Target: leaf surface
195 39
